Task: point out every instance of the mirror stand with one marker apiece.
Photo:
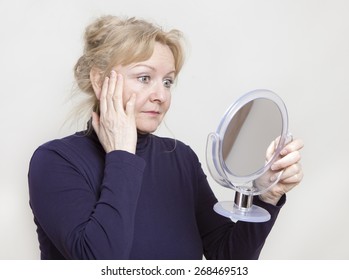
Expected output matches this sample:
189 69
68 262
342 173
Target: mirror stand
243 201
242 209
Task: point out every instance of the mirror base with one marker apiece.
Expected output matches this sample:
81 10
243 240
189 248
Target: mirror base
254 214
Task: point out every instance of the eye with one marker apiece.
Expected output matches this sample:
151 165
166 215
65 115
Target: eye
144 79
168 83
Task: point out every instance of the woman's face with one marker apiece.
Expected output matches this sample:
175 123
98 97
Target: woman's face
151 80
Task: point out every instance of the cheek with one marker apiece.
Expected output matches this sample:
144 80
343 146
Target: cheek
129 89
140 96
168 102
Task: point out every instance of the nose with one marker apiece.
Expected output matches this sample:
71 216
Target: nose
159 93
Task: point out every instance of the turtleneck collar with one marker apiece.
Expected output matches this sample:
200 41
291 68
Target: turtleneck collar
143 140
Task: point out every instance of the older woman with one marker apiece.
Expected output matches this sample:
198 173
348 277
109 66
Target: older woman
115 190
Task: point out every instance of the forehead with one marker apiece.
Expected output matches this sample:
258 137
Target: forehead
162 52
162 59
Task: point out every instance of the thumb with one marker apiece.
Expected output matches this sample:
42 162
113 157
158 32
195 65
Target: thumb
95 122
270 151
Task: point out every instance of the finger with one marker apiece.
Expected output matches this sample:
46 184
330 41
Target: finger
294 145
270 151
102 100
287 161
272 147
111 91
291 171
295 179
130 106
118 98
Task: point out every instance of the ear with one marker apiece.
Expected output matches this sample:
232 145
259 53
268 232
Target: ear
95 77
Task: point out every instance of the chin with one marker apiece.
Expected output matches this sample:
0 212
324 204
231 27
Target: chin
146 129
147 125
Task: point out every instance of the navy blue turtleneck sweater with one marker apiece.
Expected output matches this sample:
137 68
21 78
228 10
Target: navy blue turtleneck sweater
156 204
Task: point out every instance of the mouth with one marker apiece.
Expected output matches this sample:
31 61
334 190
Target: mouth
153 113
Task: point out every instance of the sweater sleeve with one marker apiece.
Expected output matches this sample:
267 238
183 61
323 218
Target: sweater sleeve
83 223
224 239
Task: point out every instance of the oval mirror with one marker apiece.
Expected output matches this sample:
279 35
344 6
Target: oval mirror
239 154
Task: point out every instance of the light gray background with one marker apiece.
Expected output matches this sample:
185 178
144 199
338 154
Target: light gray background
297 48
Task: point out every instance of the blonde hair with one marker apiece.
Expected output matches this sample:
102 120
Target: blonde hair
111 41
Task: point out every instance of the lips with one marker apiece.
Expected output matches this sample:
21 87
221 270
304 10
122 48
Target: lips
152 112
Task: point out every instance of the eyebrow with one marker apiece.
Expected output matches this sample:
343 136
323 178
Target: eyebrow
152 68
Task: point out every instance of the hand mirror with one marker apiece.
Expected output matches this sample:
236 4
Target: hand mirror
239 154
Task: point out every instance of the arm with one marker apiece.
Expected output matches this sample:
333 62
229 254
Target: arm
224 239
80 221
84 223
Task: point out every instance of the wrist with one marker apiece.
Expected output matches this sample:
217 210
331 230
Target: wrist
268 198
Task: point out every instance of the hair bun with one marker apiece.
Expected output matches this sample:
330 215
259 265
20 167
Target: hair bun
97 32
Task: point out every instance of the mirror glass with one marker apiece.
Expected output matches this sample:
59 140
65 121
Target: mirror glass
248 135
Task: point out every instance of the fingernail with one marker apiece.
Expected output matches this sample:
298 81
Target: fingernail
113 74
283 152
274 167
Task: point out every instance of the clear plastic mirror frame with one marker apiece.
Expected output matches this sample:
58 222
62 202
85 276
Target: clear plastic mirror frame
246 184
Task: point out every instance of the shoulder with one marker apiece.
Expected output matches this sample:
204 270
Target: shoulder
176 148
74 141
72 148
172 144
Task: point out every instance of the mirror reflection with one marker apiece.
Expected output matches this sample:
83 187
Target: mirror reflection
249 134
